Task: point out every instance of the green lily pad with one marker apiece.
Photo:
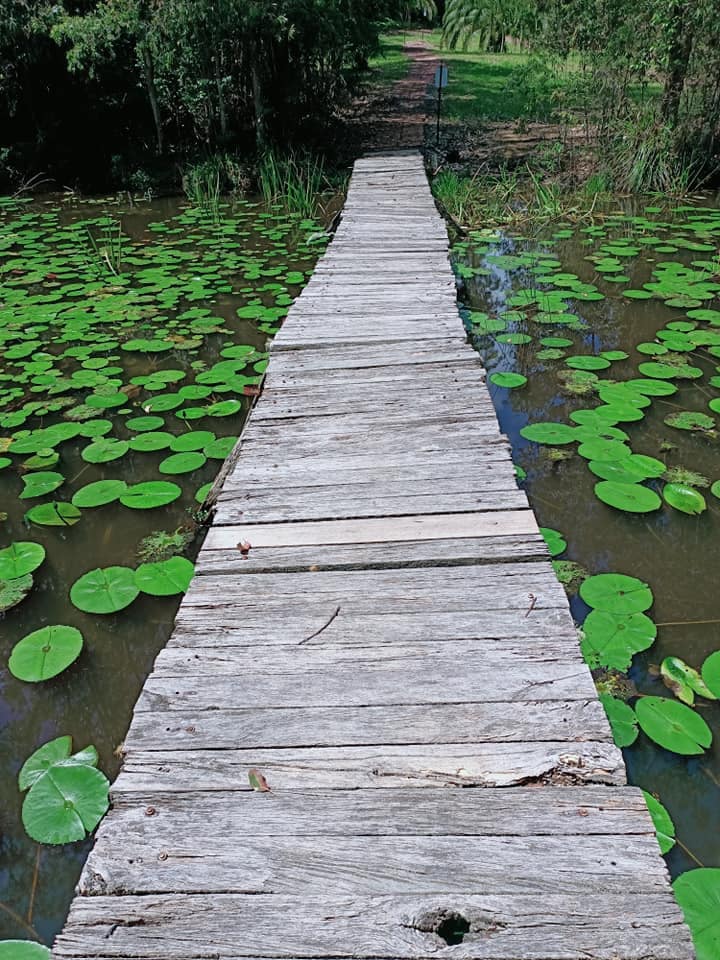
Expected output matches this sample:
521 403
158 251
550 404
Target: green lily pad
552 433
698 893
684 498
145 424
104 590
55 514
612 640
151 442
607 450
21 557
45 653
226 408
192 441
616 593
150 494
220 449
166 578
630 497
14 590
182 463
554 540
711 673
202 492
623 721
508 380
587 363
673 725
684 681
99 493
662 821
689 420
105 450
65 803
41 483
23 950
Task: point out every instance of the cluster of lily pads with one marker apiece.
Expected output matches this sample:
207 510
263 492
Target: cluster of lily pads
541 322
127 366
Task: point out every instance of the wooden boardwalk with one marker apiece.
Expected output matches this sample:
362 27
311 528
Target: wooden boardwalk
393 634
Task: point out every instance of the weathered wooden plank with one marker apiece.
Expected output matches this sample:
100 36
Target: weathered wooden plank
544 926
219 561
555 811
253 725
350 768
359 866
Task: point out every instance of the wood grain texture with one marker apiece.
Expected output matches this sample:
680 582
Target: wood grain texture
376 630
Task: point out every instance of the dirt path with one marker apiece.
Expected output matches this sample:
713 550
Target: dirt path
394 119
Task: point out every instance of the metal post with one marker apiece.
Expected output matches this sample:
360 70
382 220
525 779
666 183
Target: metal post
437 129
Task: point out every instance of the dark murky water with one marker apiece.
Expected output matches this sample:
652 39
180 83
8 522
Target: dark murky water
675 553
240 255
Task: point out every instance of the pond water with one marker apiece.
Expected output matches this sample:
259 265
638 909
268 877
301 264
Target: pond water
142 331
612 287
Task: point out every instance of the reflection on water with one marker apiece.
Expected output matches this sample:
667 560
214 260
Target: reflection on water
675 553
256 255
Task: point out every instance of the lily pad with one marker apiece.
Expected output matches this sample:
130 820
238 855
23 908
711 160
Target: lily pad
508 380
99 493
662 821
104 590
150 494
698 893
45 653
41 483
55 514
612 640
14 590
105 450
65 804
684 681
616 593
23 950
673 725
630 497
182 463
689 420
684 498
21 557
711 673
166 578
623 721
551 433
554 540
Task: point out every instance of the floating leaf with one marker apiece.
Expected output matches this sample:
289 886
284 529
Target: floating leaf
616 593
684 498
607 450
21 557
150 494
23 950
15 590
662 821
65 803
99 493
711 673
683 680
104 590
41 483
182 463
42 759
45 653
689 420
612 640
630 497
105 450
165 578
672 725
554 540
698 893
55 514
623 721
508 380
552 433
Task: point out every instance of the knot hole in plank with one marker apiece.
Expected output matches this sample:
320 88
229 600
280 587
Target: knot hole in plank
450 925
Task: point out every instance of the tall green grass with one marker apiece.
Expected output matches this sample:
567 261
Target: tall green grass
293 180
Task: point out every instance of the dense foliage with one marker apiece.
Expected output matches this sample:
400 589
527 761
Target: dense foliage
88 84
644 76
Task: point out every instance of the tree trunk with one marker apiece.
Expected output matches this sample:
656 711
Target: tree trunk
261 132
149 74
680 50
222 112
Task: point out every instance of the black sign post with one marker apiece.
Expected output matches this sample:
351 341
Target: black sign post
441 80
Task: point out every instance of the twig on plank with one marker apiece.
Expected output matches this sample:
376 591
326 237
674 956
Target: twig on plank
323 627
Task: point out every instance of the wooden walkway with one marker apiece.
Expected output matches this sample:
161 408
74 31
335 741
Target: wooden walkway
393 634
